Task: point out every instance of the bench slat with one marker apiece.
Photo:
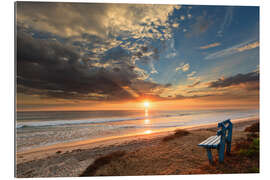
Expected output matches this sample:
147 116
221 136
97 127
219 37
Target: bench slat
215 142
207 140
211 142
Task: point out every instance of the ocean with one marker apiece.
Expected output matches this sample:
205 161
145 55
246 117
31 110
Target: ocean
42 128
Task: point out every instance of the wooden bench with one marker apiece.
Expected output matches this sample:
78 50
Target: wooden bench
222 139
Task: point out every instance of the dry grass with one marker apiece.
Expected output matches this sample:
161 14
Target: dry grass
178 133
253 128
90 171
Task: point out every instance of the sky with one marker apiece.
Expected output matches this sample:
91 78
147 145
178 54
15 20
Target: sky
87 56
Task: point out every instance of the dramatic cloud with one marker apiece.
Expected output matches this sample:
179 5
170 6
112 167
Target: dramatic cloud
51 69
90 51
210 46
249 81
84 53
103 20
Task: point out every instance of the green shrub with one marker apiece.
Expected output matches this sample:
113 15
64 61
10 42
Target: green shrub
252 150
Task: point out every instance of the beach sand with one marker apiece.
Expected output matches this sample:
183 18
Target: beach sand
146 154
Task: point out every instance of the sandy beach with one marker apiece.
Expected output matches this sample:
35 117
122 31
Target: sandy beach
178 156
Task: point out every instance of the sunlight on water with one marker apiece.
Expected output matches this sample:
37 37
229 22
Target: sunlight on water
148 132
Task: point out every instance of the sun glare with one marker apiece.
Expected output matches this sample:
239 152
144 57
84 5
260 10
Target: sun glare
146 104
148 132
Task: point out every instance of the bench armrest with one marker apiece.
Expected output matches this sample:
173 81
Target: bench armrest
219 133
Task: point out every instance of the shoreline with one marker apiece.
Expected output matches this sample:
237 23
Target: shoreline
46 151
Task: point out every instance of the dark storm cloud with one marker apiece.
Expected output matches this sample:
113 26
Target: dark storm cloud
51 69
43 52
117 53
249 81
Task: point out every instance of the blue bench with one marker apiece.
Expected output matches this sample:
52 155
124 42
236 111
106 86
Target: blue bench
219 141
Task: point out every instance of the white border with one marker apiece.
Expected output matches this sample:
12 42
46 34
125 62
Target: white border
7 85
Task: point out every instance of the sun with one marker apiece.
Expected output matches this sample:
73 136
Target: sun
148 132
146 104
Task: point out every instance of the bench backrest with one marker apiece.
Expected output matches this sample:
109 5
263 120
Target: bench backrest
226 130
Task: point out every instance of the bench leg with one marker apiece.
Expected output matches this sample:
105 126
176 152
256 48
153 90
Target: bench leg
228 148
209 154
221 155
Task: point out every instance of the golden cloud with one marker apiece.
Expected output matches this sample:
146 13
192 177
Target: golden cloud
210 46
183 67
249 46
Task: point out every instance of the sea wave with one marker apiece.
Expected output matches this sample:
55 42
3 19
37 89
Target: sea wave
32 124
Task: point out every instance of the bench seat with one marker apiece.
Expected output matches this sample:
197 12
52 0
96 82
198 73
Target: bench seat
211 142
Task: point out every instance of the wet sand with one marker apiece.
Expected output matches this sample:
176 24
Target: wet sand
71 159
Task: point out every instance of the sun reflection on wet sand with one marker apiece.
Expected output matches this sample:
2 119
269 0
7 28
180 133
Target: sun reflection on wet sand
146 121
146 113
